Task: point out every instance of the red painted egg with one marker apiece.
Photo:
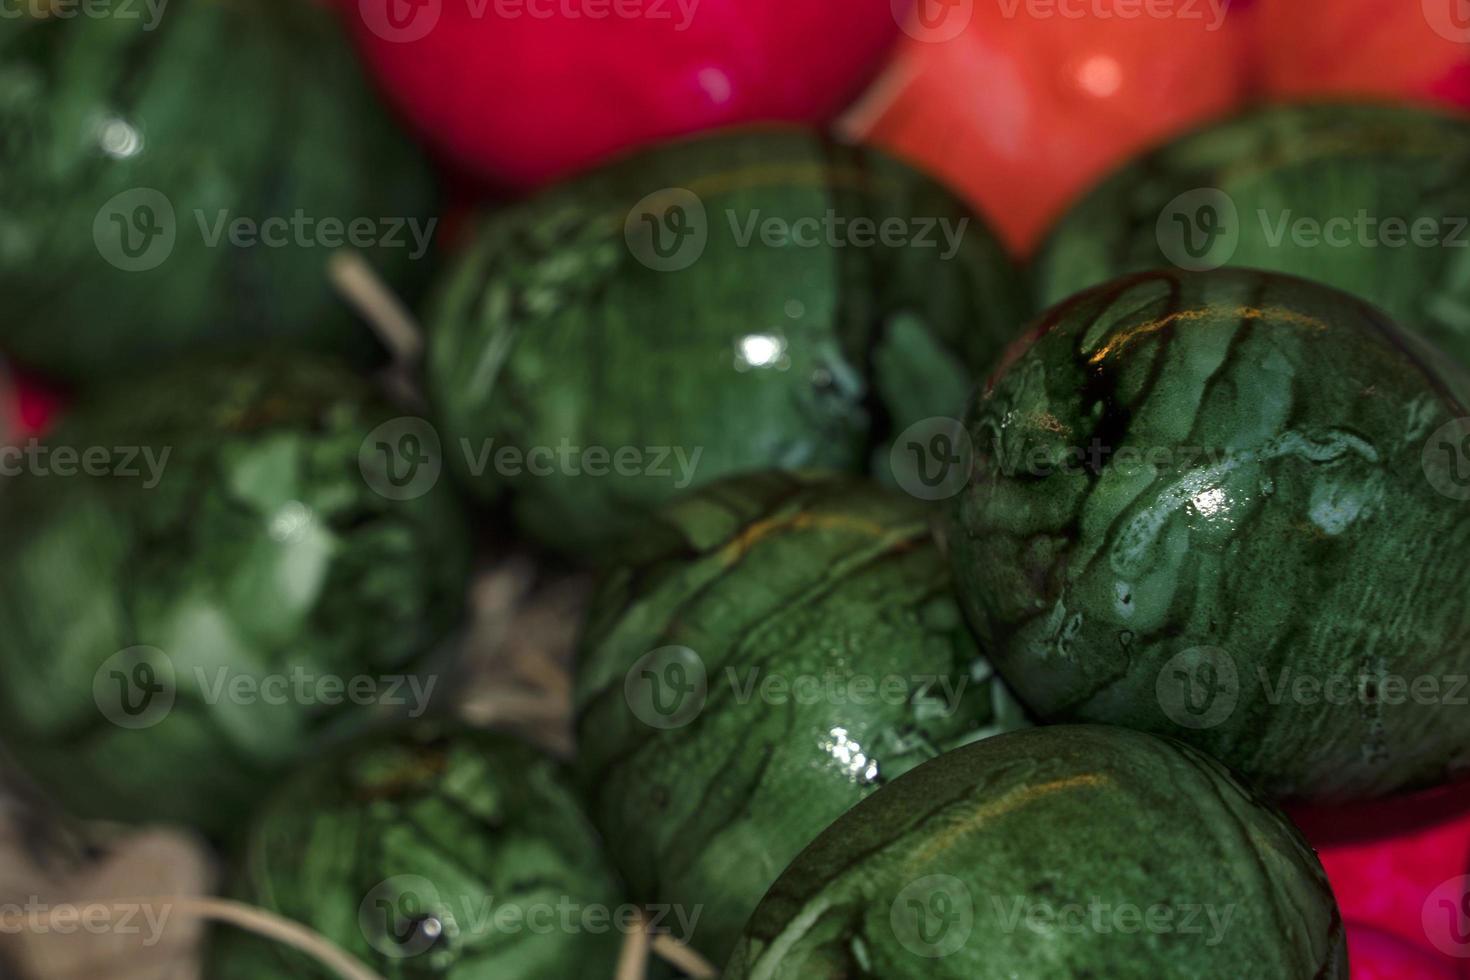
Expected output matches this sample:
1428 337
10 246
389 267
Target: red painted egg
1377 955
1400 866
1418 49
520 92
1022 104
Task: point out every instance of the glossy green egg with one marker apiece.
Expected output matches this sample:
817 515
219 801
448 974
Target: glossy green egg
430 852
1067 851
175 176
781 646
1233 507
748 300
1374 199
199 566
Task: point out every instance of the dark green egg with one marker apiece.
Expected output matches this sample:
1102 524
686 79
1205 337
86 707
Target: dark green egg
430 853
1066 851
781 647
1233 507
1374 199
743 301
153 163
197 563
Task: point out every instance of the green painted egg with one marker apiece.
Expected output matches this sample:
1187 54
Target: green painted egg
1066 851
175 176
737 302
430 852
205 570
1232 507
1373 199
781 647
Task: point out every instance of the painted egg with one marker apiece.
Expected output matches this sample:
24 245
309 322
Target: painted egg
430 852
177 176
1378 955
744 301
1021 106
207 570
1230 507
781 647
1418 50
1371 199
522 92
1066 851
1399 866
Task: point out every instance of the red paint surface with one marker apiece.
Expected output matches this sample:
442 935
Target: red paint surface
521 99
1022 112
1417 49
26 409
1377 955
1399 866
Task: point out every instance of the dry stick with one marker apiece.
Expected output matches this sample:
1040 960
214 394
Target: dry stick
247 917
857 122
637 944
379 306
633 960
